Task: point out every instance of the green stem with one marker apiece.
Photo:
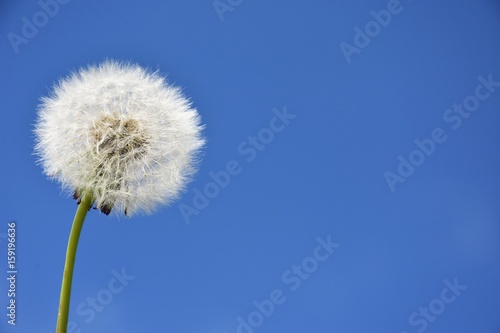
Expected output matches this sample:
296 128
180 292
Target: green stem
62 317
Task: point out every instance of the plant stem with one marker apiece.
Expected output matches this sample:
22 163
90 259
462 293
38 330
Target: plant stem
62 317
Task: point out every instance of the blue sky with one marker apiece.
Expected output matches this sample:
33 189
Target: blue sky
356 144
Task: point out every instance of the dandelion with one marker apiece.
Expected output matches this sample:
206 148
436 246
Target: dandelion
118 138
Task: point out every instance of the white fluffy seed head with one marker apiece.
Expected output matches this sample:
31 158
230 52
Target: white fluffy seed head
120 132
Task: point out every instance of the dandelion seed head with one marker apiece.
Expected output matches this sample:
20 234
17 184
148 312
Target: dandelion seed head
120 132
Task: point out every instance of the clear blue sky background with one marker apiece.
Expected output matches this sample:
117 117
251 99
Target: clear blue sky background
321 176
